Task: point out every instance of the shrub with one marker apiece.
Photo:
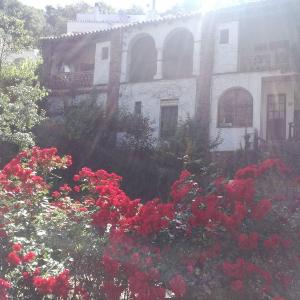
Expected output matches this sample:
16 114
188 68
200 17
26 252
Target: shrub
238 240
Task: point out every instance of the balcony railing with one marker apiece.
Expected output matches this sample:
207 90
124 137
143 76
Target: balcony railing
71 80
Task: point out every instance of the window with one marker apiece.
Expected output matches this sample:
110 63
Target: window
276 117
105 53
178 55
235 109
168 118
224 36
138 108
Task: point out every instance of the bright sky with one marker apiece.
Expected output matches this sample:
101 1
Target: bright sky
160 4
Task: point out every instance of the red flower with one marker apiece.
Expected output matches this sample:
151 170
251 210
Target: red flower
14 259
278 298
272 242
76 188
56 194
30 256
76 178
237 285
261 209
17 247
4 286
248 242
111 266
178 285
65 188
26 276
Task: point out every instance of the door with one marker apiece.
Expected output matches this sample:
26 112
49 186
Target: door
276 117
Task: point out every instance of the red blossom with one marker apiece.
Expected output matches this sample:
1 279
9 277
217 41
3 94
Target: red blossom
178 285
4 286
17 247
237 286
261 209
29 257
248 242
14 259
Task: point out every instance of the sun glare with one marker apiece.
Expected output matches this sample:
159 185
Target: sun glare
214 4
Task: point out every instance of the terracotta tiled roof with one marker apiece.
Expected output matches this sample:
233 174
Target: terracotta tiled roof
125 26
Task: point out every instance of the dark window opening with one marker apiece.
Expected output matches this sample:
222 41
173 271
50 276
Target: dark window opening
138 108
224 36
178 55
105 53
168 121
235 109
143 60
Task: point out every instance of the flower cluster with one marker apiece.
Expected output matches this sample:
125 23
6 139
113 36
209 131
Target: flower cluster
235 235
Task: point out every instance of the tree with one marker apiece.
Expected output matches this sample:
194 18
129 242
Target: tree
34 20
186 7
134 10
20 94
57 17
13 37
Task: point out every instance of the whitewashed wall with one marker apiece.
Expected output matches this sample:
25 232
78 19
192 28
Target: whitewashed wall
159 32
151 94
226 55
233 138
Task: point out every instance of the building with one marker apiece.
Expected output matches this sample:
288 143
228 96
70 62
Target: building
100 20
235 69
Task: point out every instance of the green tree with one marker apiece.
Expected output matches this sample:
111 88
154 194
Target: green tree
13 37
57 17
134 10
20 94
34 20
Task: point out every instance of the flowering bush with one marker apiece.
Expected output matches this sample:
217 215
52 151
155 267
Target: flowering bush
236 239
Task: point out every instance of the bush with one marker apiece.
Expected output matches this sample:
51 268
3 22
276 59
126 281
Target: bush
237 240
100 141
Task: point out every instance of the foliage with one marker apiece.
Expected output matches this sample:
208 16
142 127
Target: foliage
33 18
13 37
186 6
234 239
100 141
20 95
134 10
57 17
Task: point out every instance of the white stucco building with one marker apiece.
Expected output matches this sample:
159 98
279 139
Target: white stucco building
235 69
100 20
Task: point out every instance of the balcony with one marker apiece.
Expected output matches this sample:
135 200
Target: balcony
71 80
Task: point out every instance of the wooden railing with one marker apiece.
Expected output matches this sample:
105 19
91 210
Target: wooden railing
71 80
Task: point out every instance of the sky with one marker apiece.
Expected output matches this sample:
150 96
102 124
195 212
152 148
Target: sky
160 4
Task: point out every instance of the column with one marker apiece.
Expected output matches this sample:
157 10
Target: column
158 74
196 58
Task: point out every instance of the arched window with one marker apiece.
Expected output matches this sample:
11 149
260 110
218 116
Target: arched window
178 54
235 109
143 60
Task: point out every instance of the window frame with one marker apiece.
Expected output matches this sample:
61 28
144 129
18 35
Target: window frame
235 108
224 36
138 108
105 53
168 103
